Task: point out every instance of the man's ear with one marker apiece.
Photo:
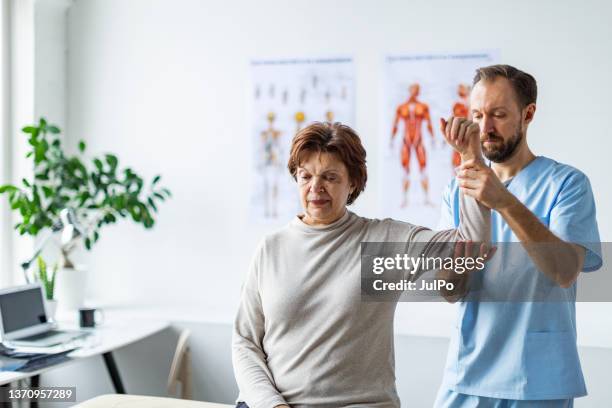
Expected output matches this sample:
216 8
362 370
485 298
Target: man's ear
529 112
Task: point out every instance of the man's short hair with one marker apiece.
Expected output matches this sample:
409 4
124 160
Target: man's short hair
524 85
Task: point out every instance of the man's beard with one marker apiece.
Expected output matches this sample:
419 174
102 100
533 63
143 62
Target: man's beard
506 150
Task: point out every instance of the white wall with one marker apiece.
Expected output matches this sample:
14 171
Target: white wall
51 58
163 84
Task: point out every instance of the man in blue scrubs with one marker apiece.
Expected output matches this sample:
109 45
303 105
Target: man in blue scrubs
519 353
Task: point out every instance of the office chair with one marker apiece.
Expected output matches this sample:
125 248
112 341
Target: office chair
180 373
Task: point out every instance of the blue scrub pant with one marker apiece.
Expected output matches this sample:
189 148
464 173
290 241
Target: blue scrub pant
452 399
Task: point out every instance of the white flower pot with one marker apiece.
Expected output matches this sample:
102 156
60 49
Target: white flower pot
51 308
71 284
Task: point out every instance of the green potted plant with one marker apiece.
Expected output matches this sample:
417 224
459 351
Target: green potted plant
48 283
77 196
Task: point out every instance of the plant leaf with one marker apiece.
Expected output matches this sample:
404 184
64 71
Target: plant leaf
48 191
53 129
152 204
7 188
98 164
112 161
82 146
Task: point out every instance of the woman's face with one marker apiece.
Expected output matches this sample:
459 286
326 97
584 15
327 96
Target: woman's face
324 188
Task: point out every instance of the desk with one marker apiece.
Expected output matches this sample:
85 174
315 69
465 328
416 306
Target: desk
103 340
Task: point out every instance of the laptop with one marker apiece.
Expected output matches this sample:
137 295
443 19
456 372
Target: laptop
24 320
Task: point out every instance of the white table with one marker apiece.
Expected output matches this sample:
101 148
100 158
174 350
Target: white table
104 339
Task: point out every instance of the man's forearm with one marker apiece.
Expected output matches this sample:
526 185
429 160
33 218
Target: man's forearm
557 259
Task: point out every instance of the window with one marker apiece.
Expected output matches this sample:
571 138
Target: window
5 239
16 109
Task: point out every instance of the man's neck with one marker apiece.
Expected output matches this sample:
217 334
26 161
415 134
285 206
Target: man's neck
513 165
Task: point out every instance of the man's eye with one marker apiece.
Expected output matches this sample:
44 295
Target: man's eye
475 116
331 178
304 176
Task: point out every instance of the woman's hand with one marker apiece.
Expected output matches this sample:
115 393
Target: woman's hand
459 279
463 135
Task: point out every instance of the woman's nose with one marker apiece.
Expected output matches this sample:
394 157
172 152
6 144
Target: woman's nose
316 185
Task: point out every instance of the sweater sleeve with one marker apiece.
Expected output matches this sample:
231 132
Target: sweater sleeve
253 376
474 225
474 222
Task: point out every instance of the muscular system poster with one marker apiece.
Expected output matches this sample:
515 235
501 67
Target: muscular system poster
416 164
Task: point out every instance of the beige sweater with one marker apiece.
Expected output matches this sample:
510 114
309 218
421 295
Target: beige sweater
302 335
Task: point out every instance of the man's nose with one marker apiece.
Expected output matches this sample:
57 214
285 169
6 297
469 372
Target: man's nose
486 125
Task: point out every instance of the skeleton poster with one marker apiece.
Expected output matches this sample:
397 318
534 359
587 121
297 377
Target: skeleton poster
416 163
286 96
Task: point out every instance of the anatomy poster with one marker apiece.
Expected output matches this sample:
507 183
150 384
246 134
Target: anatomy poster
286 96
416 163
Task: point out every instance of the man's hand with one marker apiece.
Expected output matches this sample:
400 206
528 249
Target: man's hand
480 182
463 135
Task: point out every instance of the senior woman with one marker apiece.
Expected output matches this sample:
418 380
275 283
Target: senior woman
302 336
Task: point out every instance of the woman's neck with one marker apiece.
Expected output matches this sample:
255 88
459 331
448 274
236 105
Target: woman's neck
318 222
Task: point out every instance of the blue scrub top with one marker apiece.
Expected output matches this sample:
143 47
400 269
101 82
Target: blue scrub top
525 350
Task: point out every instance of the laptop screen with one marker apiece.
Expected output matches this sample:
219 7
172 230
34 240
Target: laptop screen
22 309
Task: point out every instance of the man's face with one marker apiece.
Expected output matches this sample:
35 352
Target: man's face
502 122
